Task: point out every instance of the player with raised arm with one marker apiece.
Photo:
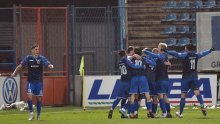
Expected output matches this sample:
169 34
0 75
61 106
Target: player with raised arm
125 66
190 75
139 84
150 72
162 79
34 86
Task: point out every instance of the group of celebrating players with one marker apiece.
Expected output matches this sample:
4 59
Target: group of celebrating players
144 75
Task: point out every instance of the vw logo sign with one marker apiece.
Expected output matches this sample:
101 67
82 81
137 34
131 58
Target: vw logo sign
10 90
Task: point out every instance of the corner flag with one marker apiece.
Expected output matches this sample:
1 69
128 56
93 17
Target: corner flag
81 71
81 68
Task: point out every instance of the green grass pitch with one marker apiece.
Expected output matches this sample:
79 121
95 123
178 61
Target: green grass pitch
76 115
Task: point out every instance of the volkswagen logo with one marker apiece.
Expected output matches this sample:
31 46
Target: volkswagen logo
10 90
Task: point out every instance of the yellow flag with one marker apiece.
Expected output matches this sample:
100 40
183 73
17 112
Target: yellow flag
81 68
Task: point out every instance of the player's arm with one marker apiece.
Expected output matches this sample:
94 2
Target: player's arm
204 53
16 70
23 62
149 61
154 55
176 54
47 63
132 65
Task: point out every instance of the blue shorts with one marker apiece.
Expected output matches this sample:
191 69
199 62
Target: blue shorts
34 88
162 86
139 84
124 89
189 83
152 86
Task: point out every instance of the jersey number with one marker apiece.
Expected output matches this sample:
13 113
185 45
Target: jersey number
123 70
138 62
193 65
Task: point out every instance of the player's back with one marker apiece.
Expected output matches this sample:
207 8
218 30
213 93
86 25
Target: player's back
138 72
161 70
125 69
190 65
150 70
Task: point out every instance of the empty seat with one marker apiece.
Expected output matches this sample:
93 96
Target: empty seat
184 17
170 41
183 29
170 17
194 41
170 4
193 29
193 17
197 4
210 4
169 30
183 41
183 4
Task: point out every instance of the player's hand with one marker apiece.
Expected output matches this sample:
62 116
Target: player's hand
212 49
50 66
13 74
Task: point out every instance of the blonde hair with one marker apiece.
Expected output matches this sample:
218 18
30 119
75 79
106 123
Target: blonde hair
163 46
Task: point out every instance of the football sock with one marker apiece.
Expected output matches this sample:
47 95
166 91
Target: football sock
154 108
200 100
30 105
162 105
123 103
128 107
168 107
149 106
38 107
115 103
182 104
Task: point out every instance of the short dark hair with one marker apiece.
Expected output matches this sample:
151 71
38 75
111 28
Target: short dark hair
137 50
190 47
130 48
122 53
34 46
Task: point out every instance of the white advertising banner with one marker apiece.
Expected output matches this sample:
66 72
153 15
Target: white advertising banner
9 89
102 90
208 30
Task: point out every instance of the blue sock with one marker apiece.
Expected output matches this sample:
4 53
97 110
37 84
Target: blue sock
149 106
115 103
123 103
154 108
128 107
162 105
168 107
30 105
132 108
135 105
182 104
200 100
38 107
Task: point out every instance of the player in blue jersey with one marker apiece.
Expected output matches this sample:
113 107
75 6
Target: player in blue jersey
190 75
35 63
150 72
162 79
125 66
139 84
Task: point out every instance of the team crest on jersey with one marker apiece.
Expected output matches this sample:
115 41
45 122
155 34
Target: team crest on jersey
38 61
